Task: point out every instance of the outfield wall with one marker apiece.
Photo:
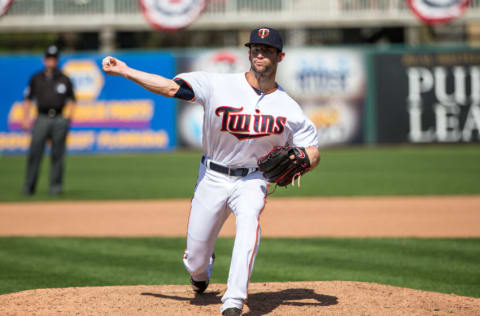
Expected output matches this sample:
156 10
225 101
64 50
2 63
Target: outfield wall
113 115
352 95
426 96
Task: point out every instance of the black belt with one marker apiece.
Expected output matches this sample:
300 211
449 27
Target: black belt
237 172
50 112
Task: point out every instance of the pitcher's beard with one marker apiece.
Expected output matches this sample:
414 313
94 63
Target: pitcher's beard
265 72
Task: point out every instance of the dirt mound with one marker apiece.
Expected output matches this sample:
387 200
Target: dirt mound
291 298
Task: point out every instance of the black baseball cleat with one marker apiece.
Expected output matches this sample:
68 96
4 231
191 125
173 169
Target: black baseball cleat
232 312
200 286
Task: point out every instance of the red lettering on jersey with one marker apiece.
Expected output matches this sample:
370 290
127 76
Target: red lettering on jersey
239 124
226 110
256 123
268 122
280 125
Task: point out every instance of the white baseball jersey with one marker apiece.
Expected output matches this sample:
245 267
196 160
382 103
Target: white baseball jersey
241 124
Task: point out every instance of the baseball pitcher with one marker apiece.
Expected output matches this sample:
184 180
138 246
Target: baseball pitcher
253 134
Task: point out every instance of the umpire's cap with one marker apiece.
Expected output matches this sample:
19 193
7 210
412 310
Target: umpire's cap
266 36
52 51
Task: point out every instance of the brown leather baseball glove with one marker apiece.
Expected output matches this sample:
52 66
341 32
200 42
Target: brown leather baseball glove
283 164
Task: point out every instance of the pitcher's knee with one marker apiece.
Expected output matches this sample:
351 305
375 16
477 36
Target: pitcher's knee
195 264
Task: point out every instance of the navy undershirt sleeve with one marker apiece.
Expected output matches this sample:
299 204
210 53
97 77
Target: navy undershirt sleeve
185 92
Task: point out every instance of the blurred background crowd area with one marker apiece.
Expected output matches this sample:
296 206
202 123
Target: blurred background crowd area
105 25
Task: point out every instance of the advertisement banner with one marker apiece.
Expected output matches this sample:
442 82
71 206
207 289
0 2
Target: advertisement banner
428 97
112 114
329 85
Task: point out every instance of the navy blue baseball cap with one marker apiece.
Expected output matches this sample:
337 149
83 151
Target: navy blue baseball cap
266 36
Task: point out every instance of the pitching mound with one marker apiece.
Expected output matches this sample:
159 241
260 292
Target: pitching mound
296 298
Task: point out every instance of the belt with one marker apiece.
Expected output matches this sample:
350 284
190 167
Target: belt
237 172
50 112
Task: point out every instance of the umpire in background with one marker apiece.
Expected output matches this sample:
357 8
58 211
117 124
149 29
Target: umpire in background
52 91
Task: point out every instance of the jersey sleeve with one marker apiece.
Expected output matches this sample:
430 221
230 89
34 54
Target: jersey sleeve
200 82
304 133
185 92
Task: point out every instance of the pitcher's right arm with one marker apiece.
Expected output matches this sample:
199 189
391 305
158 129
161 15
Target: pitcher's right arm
154 83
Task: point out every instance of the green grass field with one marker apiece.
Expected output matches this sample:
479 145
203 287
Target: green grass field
443 265
433 170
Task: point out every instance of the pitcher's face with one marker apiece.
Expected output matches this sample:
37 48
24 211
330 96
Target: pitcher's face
263 58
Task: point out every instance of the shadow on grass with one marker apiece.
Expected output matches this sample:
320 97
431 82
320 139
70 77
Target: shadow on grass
262 303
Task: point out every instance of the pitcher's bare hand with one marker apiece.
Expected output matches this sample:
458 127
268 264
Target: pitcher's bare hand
113 66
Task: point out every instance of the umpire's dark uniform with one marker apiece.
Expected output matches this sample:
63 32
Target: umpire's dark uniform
51 90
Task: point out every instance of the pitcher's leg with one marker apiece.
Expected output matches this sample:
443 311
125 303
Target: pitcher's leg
247 205
203 228
245 249
207 216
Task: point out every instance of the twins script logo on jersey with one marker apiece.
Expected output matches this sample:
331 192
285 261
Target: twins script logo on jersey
263 33
247 126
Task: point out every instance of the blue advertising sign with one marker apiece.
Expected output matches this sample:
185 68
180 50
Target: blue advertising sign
112 114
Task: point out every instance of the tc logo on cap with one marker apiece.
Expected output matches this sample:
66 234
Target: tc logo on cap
262 33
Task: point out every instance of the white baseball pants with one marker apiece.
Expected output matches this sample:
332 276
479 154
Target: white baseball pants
216 195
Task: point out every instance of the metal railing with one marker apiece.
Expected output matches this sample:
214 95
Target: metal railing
41 15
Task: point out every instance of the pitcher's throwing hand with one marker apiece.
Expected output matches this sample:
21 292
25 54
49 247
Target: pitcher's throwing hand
114 66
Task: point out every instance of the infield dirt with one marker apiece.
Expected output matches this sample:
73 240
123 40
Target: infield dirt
454 216
312 217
